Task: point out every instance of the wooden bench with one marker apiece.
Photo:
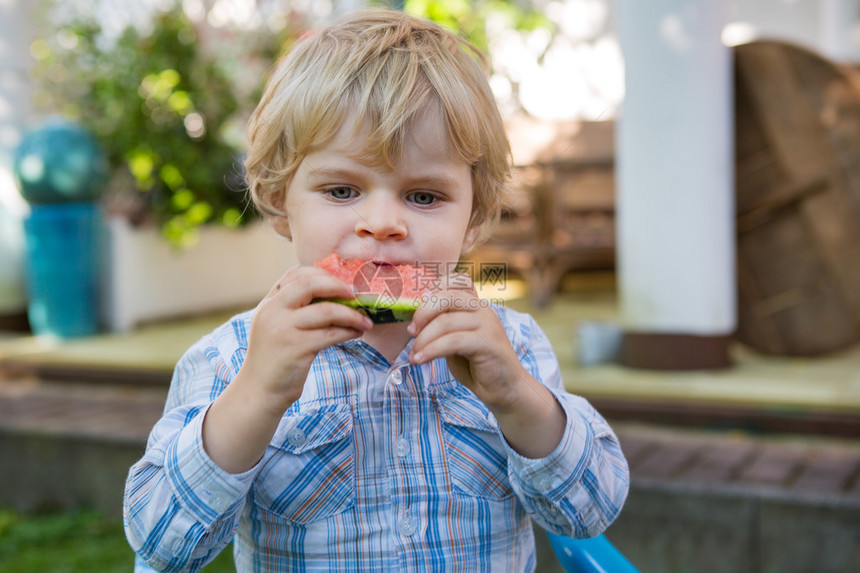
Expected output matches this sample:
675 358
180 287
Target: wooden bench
561 216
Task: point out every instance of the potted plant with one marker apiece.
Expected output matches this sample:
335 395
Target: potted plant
167 98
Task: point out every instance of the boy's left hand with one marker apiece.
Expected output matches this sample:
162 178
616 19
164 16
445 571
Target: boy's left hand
457 324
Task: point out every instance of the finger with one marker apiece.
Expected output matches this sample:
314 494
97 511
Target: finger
442 302
455 343
299 288
321 338
443 324
324 314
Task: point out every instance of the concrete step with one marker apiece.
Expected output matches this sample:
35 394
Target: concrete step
68 444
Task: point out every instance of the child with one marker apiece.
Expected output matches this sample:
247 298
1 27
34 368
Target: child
317 440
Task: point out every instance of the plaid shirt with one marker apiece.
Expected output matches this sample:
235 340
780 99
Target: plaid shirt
378 466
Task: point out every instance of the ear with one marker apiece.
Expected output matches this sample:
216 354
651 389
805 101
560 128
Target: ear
281 224
470 238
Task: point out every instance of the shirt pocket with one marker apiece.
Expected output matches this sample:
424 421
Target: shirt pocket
310 473
475 454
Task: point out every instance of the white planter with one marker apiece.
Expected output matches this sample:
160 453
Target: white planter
13 209
148 279
13 294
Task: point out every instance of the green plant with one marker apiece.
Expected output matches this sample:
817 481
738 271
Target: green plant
470 17
168 110
77 541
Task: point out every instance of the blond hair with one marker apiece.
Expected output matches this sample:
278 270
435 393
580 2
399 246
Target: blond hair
387 68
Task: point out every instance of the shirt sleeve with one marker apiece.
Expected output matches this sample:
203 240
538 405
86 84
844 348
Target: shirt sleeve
578 489
180 508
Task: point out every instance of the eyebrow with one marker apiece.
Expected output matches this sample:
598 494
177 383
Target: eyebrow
432 180
334 173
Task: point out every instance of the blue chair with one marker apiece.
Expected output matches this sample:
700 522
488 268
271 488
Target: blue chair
595 555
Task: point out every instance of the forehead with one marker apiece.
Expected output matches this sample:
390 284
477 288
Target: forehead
426 135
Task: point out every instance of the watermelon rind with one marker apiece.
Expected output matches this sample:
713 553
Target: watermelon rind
400 311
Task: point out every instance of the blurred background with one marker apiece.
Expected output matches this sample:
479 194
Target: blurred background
684 223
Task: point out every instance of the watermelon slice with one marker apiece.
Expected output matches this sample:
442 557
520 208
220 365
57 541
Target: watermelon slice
385 293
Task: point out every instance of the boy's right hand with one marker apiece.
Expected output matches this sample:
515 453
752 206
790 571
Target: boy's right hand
287 331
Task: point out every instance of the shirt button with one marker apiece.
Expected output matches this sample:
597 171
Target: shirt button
218 503
401 447
296 437
407 526
544 484
395 377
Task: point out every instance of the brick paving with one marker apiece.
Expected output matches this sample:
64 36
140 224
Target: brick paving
794 466
671 457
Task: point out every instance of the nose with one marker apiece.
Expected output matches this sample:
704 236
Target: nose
381 218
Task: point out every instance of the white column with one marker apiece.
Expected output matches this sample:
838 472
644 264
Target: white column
675 170
15 111
839 20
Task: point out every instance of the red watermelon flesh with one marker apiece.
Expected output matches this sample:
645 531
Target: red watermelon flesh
385 293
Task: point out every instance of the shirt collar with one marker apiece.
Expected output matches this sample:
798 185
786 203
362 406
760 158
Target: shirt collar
335 369
364 351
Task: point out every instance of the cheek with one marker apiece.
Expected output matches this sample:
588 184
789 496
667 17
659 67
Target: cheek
446 248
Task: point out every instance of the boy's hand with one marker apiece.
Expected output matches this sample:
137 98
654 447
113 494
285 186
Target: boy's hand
288 331
457 324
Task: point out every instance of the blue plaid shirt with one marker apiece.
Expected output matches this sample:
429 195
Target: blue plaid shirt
378 466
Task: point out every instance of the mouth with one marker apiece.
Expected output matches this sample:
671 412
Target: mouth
380 261
382 264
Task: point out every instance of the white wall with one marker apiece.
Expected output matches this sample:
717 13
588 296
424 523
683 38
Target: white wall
15 111
147 279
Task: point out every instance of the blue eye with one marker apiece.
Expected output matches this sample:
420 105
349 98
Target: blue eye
341 192
423 198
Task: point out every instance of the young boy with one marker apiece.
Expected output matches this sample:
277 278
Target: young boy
320 441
